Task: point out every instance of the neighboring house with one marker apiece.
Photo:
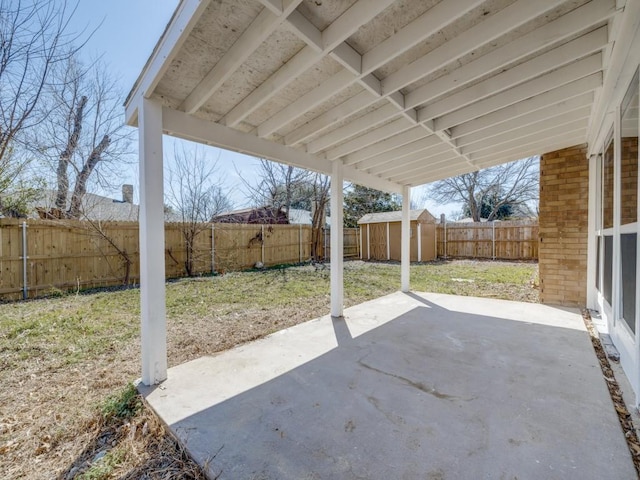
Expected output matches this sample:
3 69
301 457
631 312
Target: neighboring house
94 207
381 232
257 215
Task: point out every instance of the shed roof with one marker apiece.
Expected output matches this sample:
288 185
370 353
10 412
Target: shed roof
383 217
402 92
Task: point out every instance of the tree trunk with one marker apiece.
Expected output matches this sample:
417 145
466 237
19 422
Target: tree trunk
81 182
65 157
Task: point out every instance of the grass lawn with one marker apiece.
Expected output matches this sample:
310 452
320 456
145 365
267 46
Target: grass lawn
66 407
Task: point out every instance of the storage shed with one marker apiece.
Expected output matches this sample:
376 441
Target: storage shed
380 235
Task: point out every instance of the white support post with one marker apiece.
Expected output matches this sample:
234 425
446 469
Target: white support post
405 239
591 235
368 242
337 287
152 270
388 243
419 234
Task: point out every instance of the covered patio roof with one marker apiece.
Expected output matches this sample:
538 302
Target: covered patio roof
389 94
400 92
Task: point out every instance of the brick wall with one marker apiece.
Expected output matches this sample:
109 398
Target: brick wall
564 189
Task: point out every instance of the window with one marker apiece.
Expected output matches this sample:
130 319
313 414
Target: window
628 197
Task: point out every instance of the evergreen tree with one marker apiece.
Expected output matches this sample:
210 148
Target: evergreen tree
358 201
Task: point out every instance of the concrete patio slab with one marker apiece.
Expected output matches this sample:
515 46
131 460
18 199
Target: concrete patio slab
408 386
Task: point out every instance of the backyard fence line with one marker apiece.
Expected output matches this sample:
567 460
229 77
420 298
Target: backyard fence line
42 257
509 240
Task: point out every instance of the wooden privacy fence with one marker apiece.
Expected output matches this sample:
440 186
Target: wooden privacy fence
63 255
350 243
495 240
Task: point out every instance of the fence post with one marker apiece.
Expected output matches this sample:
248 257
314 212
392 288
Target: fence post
324 246
263 240
368 243
213 249
359 243
445 237
300 242
25 293
493 238
419 234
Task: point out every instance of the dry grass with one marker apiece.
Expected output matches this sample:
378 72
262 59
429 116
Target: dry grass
63 359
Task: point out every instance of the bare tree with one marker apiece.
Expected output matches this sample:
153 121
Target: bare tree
195 194
286 187
486 193
84 137
280 186
34 40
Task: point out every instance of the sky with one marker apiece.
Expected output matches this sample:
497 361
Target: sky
125 33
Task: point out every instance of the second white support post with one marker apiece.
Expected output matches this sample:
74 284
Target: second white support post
405 239
152 272
337 287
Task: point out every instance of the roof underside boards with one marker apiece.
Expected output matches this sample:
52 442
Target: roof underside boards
402 92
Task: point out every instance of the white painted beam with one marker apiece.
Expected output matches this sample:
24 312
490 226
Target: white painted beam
465 45
502 151
384 146
547 82
456 48
329 118
344 26
536 102
182 125
430 22
551 60
443 173
337 254
567 25
531 150
182 22
360 125
395 127
450 172
398 155
275 6
260 29
423 155
405 238
414 161
573 106
306 102
494 26
152 270
361 66
282 77
446 160
543 127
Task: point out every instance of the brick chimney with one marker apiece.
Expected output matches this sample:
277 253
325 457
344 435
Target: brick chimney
127 193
